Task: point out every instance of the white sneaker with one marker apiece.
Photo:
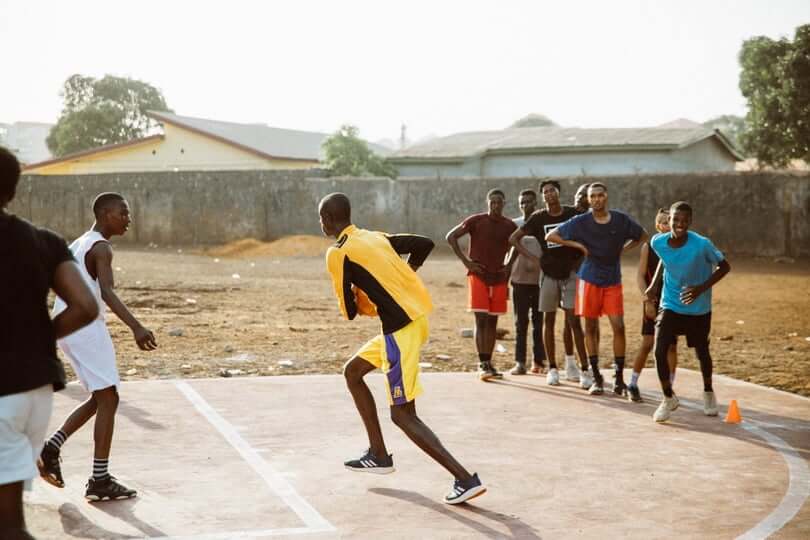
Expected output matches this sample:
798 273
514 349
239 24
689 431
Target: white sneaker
585 380
664 410
553 378
571 370
709 404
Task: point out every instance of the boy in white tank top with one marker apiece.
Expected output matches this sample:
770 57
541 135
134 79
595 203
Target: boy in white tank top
92 355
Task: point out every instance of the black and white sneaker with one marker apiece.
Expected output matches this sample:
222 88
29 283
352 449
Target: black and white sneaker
634 394
464 491
371 464
48 465
107 489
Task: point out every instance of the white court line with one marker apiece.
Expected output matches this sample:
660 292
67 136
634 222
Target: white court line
278 484
798 481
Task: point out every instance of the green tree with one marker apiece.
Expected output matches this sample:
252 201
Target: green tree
349 155
533 120
775 80
732 127
103 111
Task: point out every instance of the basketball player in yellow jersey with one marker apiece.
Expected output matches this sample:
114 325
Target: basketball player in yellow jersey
370 278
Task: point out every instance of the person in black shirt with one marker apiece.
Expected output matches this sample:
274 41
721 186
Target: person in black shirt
558 284
34 261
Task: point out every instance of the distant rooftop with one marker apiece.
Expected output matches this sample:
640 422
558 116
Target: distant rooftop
272 142
555 139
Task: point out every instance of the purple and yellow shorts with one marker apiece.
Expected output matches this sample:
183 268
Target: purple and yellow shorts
397 355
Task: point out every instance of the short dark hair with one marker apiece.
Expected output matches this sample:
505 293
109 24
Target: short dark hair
9 175
337 205
104 200
662 210
680 206
495 191
598 185
584 186
552 182
528 192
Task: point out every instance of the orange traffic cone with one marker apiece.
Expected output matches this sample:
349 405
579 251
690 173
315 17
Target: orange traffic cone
733 415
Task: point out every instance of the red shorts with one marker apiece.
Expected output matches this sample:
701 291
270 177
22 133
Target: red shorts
487 298
593 301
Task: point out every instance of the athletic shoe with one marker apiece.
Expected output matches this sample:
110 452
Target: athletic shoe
464 491
619 388
48 465
597 388
553 377
709 404
519 369
484 372
494 373
634 394
585 380
571 370
371 464
107 489
665 409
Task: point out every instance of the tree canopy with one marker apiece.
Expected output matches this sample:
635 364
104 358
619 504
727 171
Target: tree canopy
533 120
732 127
775 80
103 111
349 155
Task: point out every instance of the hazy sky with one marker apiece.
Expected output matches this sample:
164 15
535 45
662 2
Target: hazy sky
437 66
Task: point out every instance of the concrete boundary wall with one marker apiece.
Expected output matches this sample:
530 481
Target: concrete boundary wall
746 213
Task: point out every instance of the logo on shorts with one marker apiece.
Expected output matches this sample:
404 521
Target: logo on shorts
397 392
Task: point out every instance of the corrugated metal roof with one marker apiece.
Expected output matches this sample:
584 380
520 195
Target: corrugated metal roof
462 145
269 141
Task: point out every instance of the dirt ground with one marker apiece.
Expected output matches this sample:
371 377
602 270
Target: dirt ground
251 310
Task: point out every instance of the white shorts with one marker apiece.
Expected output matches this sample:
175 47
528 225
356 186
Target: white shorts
24 420
92 356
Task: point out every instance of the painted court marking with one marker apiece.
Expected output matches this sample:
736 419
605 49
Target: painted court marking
798 480
315 523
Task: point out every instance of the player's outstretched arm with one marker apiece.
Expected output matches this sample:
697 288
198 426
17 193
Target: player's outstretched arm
101 257
82 307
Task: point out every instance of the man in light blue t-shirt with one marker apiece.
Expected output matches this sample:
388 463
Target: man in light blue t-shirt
690 265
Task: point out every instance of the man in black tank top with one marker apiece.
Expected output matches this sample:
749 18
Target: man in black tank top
31 371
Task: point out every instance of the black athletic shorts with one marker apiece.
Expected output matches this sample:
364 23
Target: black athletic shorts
669 325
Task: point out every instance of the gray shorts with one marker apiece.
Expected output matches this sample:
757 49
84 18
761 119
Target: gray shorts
557 293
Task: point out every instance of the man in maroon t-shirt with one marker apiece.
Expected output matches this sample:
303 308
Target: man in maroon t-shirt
487 275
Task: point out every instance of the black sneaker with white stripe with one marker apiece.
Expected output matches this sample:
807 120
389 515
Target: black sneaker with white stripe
465 490
107 489
371 464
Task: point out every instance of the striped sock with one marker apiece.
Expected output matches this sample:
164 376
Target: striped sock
100 469
57 439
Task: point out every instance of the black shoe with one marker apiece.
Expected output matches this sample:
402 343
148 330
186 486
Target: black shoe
371 464
464 491
109 488
619 388
48 465
495 374
634 394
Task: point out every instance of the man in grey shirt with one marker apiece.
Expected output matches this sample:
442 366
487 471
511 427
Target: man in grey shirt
526 294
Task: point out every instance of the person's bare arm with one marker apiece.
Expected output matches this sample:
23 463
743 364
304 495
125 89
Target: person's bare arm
82 307
690 294
101 258
554 236
633 243
515 241
652 293
641 273
452 238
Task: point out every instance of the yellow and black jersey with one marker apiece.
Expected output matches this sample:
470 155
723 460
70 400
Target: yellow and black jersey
370 261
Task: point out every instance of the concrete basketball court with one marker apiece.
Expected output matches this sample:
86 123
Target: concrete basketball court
262 457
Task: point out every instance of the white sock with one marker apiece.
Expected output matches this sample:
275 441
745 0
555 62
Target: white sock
634 378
